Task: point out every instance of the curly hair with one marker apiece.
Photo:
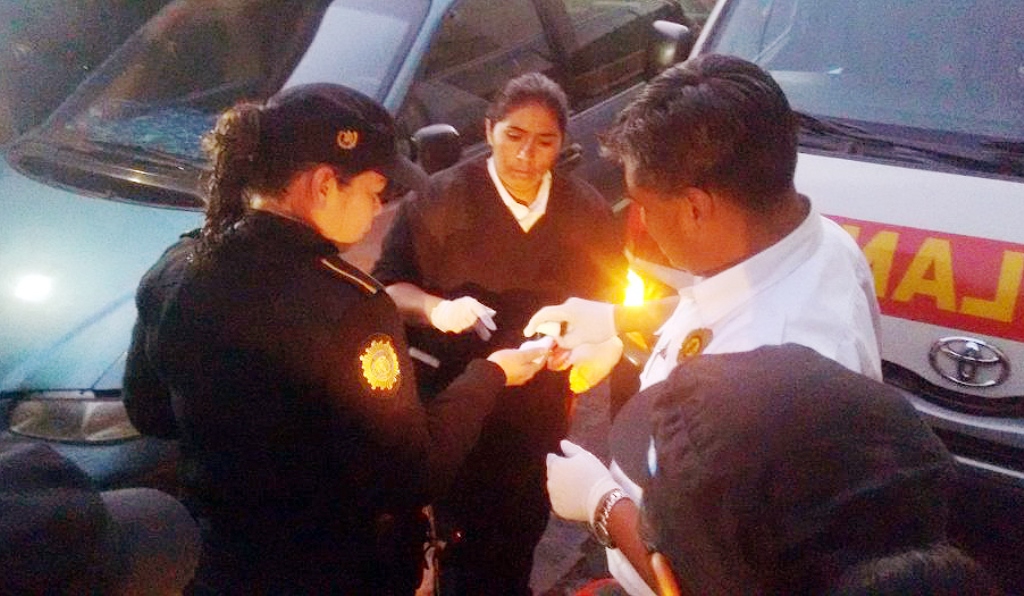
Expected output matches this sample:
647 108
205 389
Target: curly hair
938 570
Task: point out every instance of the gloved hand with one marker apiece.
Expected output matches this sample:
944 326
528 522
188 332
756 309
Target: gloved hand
591 363
519 365
586 321
576 482
455 316
546 343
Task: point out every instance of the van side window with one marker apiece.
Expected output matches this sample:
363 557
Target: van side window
479 46
609 46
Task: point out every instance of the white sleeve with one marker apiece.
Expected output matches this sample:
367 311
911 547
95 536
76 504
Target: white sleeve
619 566
628 578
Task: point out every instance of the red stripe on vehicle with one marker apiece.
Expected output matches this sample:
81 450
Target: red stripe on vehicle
962 282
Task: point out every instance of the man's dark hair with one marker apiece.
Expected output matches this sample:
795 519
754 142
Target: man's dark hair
715 122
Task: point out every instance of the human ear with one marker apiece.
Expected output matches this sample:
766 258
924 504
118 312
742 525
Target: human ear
700 205
320 183
489 131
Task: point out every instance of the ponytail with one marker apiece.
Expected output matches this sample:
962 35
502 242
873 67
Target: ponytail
233 147
257 150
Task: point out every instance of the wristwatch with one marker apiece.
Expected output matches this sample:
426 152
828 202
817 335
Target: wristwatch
604 509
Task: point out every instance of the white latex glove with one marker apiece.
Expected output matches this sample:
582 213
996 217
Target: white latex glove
545 343
591 363
576 482
586 321
455 316
519 365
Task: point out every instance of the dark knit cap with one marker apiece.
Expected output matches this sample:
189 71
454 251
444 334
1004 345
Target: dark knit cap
60 535
778 467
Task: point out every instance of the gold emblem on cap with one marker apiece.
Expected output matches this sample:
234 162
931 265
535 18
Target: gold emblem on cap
694 344
347 139
379 362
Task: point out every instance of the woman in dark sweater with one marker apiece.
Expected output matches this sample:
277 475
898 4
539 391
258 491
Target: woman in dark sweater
468 261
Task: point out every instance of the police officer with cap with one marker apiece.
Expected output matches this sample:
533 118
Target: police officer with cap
284 370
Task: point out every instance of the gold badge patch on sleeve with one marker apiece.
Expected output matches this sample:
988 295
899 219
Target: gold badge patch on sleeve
379 363
694 344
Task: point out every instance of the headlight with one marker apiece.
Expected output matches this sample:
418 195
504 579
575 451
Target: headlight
71 416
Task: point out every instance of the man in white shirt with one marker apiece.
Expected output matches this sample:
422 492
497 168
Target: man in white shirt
709 150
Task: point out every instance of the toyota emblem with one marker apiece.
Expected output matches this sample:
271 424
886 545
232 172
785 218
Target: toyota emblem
969 362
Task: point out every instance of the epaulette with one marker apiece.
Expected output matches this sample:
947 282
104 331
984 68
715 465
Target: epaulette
354 276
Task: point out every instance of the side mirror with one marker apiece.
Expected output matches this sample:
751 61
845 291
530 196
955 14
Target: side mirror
436 147
570 157
671 43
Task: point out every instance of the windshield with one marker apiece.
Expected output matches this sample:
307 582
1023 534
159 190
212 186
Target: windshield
160 92
943 67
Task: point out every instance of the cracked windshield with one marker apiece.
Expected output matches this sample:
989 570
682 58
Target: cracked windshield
165 88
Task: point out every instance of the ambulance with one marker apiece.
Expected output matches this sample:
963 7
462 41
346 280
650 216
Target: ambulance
912 138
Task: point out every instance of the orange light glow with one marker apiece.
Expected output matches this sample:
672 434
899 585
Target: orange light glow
577 382
634 289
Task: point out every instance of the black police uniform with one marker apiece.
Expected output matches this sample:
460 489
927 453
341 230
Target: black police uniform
456 239
285 373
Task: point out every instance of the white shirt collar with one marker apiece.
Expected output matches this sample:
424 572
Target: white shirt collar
717 296
527 216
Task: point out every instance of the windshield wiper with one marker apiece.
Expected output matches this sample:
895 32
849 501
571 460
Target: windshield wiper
990 156
1011 148
830 127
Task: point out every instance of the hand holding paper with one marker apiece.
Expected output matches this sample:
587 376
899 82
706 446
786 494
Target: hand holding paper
519 365
586 321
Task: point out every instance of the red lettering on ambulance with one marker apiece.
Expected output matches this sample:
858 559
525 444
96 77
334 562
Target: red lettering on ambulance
961 282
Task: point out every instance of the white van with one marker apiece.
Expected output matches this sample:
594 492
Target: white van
913 140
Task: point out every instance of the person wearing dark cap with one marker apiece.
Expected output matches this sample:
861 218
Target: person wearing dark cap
59 534
709 152
284 370
811 480
468 260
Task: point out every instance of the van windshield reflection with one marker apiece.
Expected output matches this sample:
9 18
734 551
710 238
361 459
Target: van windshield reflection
950 66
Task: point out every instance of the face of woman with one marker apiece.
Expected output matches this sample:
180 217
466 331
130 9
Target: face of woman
525 144
347 211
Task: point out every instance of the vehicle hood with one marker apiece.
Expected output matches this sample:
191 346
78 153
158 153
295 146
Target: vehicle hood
945 249
69 266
